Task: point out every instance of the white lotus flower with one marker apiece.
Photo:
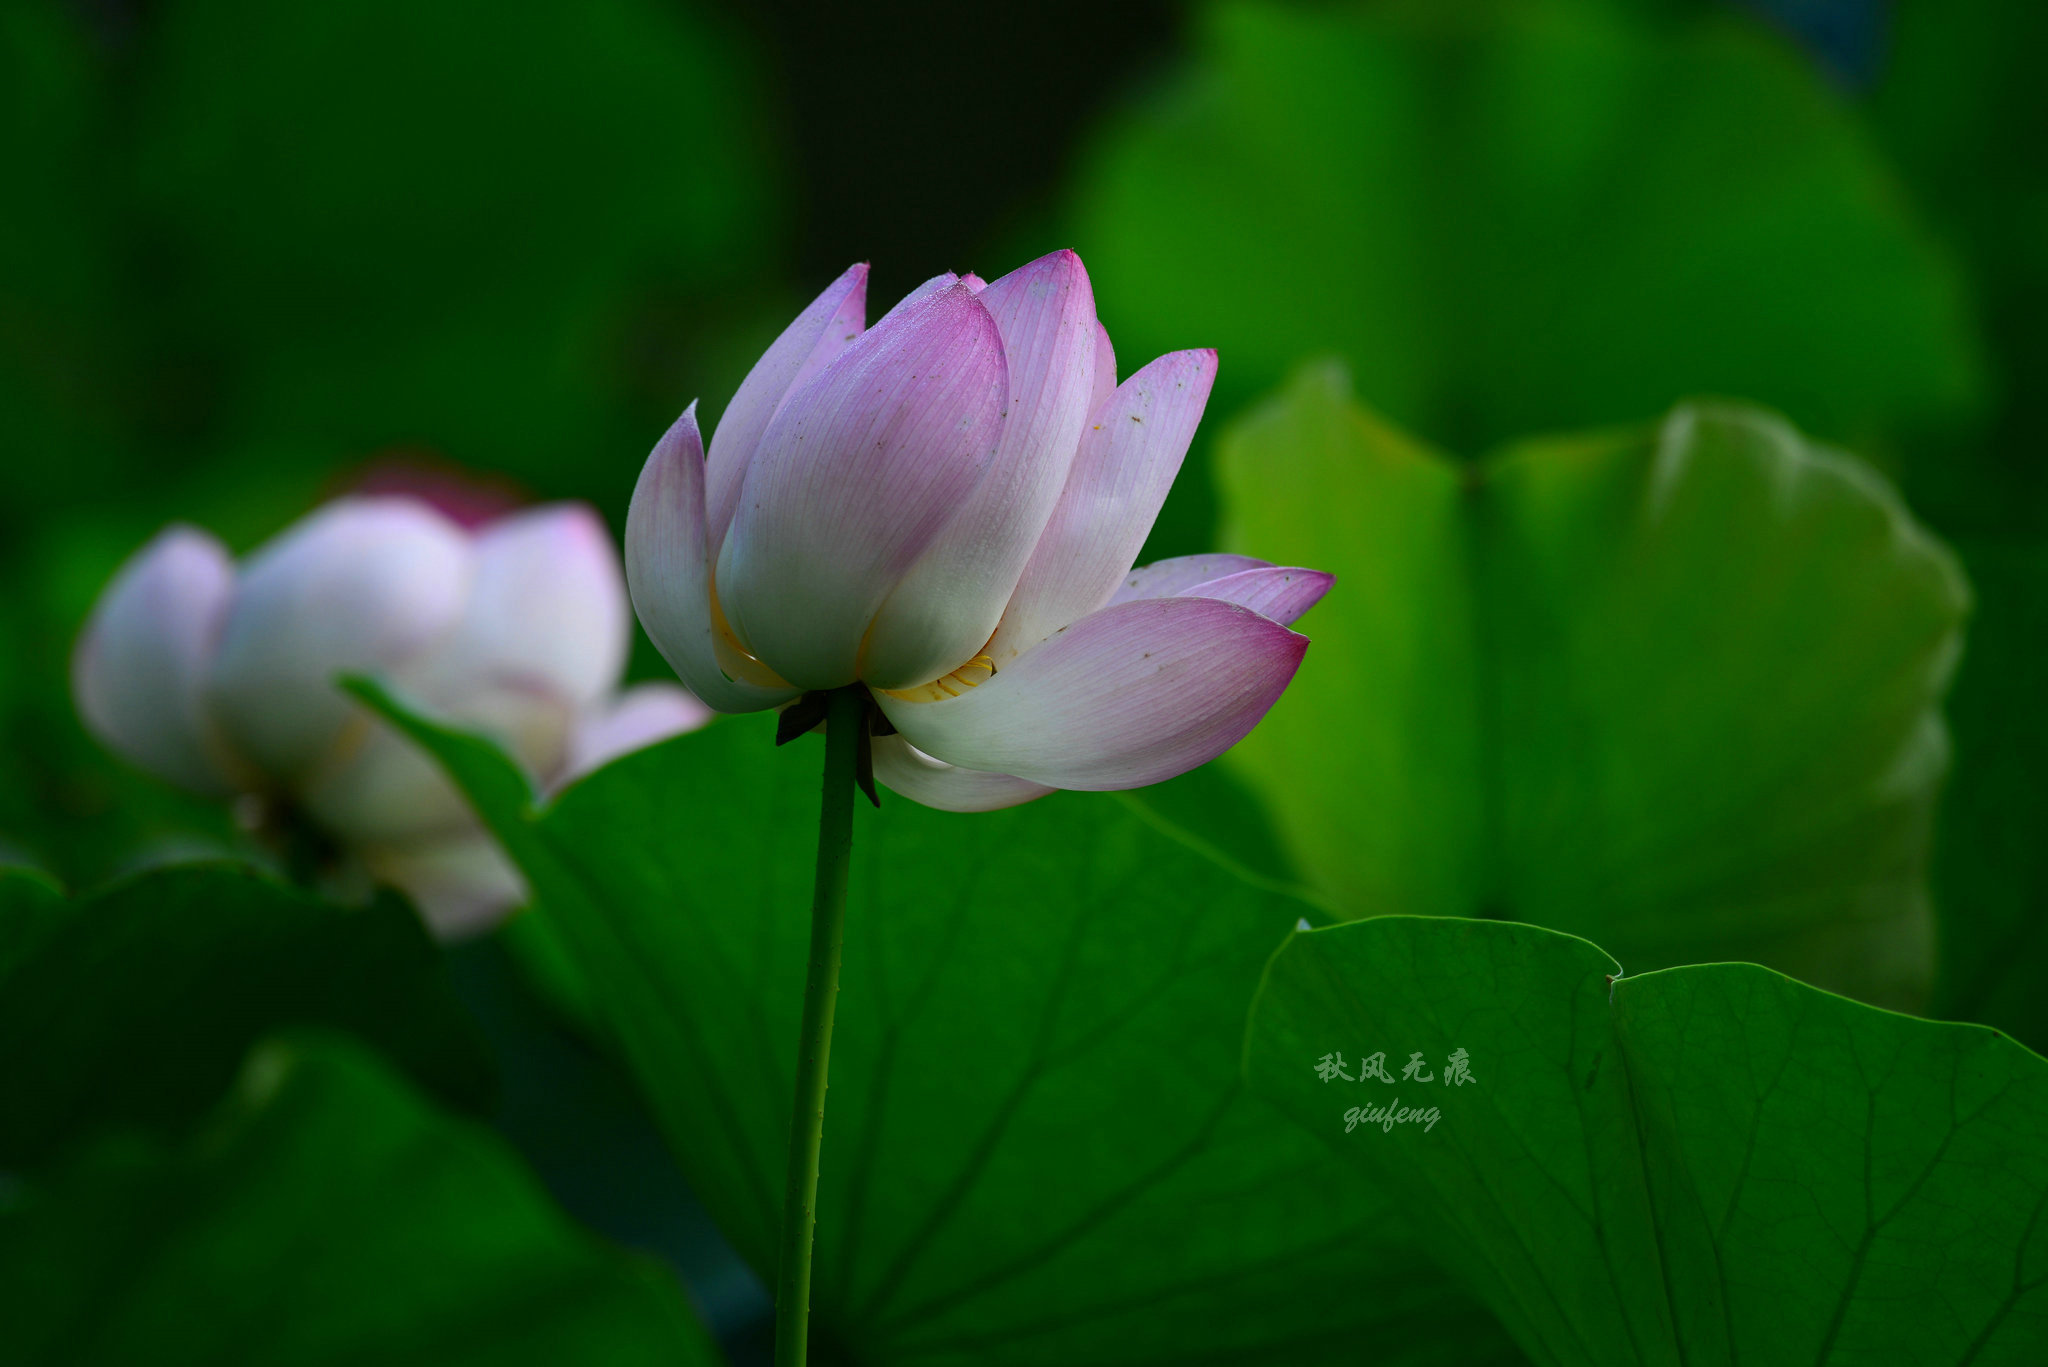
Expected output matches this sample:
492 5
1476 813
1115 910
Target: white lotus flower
220 678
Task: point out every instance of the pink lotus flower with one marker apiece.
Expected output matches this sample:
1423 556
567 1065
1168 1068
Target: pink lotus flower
221 678
945 508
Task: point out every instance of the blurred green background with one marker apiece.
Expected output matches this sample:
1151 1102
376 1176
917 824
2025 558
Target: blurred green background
248 251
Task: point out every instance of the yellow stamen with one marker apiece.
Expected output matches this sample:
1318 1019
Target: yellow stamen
734 660
949 685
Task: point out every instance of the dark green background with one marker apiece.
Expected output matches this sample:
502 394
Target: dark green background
250 251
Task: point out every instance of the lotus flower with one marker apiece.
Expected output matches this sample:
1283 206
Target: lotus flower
221 678
945 508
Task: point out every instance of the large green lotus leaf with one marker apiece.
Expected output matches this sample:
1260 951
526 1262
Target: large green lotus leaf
325 1216
134 1006
1037 1147
1705 1165
1513 218
1672 688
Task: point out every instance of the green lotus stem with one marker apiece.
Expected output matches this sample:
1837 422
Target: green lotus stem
845 717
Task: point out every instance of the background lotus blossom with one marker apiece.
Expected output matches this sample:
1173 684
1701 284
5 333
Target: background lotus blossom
945 507
220 677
